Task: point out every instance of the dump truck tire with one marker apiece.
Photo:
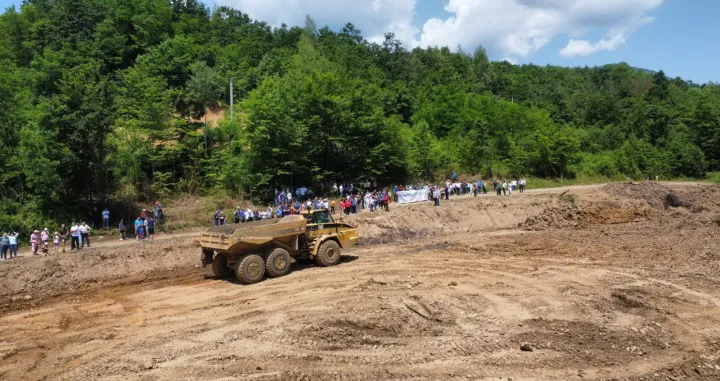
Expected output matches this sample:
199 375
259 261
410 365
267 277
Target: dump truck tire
277 263
220 268
329 254
250 269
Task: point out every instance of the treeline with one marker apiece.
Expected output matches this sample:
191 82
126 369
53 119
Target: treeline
103 101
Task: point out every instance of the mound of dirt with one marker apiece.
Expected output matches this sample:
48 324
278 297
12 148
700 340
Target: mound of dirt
459 215
656 195
583 213
701 199
27 280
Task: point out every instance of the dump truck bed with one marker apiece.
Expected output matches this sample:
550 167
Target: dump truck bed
253 236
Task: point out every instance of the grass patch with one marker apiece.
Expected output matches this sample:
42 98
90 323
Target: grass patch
714 177
535 183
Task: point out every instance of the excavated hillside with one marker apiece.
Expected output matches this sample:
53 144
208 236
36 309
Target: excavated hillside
616 282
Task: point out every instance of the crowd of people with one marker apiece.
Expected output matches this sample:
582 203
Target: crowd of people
349 199
78 234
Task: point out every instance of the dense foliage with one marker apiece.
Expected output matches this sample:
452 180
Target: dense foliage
104 101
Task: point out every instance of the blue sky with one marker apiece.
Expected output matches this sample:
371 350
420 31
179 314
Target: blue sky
677 36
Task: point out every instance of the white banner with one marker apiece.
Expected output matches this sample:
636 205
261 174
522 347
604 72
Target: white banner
405 197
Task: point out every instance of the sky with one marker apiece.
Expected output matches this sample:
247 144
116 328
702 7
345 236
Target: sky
677 36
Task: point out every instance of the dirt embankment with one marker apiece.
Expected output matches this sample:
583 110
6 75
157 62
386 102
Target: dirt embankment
29 280
621 203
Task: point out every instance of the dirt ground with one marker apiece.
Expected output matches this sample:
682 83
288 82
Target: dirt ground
618 282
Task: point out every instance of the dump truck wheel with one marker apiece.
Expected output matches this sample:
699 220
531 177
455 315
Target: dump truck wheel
329 254
220 268
277 263
250 269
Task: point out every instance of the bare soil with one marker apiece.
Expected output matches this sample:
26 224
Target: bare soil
584 283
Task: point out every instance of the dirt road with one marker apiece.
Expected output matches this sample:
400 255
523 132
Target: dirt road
599 284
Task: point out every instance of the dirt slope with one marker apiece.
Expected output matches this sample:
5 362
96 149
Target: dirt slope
596 284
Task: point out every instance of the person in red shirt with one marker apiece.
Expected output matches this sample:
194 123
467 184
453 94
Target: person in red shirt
387 201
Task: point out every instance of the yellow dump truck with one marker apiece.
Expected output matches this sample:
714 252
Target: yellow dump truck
255 249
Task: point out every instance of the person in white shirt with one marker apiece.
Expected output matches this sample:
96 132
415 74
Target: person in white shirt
84 234
75 235
12 237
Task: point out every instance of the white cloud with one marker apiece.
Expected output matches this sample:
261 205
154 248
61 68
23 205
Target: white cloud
373 17
518 28
512 29
611 41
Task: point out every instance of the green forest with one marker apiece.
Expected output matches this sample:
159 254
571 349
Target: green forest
103 102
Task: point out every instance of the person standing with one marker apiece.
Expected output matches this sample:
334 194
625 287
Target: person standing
522 185
4 246
216 217
159 211
139 231
122 229
453 176
106 218
387 201
34 242
56 242
237 214
63 235
150 223
436 196
84 234
74 236
12 237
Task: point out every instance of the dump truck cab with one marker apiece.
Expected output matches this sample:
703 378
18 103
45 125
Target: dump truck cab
252 250
321 226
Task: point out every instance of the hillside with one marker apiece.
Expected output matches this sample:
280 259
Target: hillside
102 104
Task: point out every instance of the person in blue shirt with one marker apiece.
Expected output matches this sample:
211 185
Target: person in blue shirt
150 223
139 228
453 176
4 246
280 212
106 218
238 215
